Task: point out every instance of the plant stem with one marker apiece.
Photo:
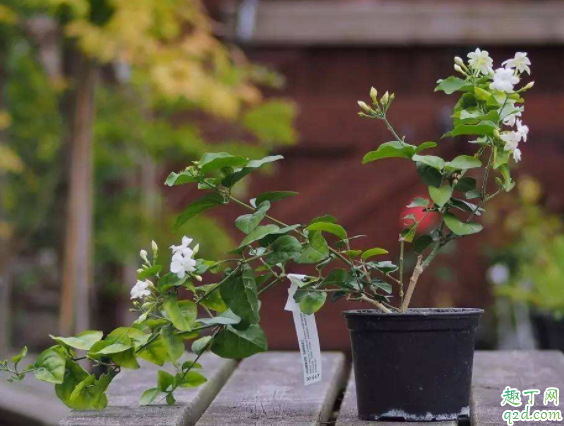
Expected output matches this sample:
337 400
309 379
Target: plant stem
418 270
402 246
375 303
269 285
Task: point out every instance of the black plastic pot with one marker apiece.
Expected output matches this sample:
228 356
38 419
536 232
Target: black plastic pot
415 366
549 331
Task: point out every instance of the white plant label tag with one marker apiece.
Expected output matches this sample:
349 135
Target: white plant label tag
306 331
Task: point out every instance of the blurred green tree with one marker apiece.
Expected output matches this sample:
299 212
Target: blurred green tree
96 95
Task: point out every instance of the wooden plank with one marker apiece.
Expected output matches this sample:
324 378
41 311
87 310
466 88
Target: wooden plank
348 414
124 409
30 402
268 389
493 371
397 23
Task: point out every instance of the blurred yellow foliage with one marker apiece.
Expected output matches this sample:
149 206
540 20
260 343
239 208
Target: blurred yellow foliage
7 15
171 44
9 160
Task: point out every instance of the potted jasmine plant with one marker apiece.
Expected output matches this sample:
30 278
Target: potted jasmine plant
413 364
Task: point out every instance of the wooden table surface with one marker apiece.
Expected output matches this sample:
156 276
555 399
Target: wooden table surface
267 389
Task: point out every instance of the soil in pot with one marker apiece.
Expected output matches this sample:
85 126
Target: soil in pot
549 331
415 366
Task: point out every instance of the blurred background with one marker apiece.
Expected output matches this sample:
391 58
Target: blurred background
101 99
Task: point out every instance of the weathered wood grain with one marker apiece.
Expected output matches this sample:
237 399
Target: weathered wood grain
397 23
348 412
268 389
124 410
493 371
30 402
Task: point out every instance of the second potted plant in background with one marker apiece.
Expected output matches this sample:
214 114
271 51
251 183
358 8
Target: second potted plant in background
410 364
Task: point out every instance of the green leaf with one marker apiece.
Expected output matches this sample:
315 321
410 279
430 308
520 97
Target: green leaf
83 341
248 222
165 380
182 314
315 251
459 227
170 280
440 195
218 160
332 228
240 294
325 218
149 272
192 379
430 160
200 345
283 249
170 400
90 393
310 301
196 207
155 353
149 396
393 149
50 365
466 184
408 234
421 243
236 344
373 252
482 94
418 202
485 128
507 183
501 158
273 196
353 253
464 162
424 146
233 178
212 301
453 84
336 277
221 320
74 374
429 175
106 347
174 344
16 359
386 266
259 233
183 177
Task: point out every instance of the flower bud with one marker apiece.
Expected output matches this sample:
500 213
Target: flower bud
392 97
385 99
140 270
528 86
458 60
196 249
143 255
459 69
373 95
364 106
198 278
154 247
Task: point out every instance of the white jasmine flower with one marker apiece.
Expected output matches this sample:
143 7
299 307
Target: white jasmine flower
517 155
143 255
520 62
522 130
510 119
480 61
511 140
498 274
182 263
183 247
504 80
141 289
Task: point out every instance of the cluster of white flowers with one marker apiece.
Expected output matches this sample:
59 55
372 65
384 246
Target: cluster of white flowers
141 289
183 261
504 80
513 138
